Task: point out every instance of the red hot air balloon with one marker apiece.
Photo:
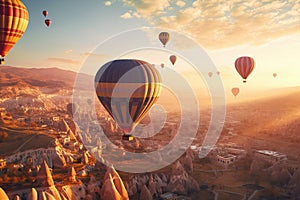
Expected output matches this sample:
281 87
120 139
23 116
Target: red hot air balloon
48 22
244 66
45 13
274 75
164 37
13 23
127 89
210 74
235 91
173 59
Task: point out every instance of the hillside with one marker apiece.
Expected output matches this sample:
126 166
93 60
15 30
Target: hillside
36 88
273 121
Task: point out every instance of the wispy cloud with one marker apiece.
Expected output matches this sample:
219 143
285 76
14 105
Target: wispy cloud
64 60
103 56
126 15
107 3
220 24
68 51
180 3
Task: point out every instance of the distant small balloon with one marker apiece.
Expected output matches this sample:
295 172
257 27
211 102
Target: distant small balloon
235 91
164 37
173 59
45 13
48 22
210 74
218 73
162 65
274 75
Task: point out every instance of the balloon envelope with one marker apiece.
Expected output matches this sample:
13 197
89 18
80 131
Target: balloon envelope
164 37
218 73
173 59
13 23
274 75
235 91
45 13
127 89
210 74
48 22
244 66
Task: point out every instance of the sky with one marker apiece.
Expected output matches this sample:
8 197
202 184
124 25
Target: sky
267 30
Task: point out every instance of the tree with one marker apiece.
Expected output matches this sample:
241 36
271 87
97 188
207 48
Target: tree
3 136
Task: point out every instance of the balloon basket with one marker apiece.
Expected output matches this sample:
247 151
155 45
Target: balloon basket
2 61
127 137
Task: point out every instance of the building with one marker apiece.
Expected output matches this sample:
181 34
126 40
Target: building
270 156
2 163
226 160
35 155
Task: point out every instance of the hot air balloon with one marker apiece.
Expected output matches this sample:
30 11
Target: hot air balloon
274 75
127 88
210 74
48 22
173 59
244 66
235 91
164 37
162 65
218 73
13 23
45 13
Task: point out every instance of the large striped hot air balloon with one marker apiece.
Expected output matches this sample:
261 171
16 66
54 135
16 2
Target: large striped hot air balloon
13 23
127 89
244 66
164 37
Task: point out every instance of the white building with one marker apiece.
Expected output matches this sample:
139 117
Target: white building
270 156
35 155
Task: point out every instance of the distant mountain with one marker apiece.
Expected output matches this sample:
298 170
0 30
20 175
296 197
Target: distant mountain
33 87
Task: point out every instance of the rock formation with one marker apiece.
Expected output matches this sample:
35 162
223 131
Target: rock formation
44 176
145 193
113 187
3 195
32 195
72 175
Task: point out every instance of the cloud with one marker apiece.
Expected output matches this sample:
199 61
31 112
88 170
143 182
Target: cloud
217 24
68 51
148 8
126 15
107 3
97 56
180 3
64 60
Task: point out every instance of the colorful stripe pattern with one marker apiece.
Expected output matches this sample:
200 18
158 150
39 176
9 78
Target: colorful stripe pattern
164 37
13 23
127 89
244 66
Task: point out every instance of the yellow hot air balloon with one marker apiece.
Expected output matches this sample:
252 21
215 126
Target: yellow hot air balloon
13 23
